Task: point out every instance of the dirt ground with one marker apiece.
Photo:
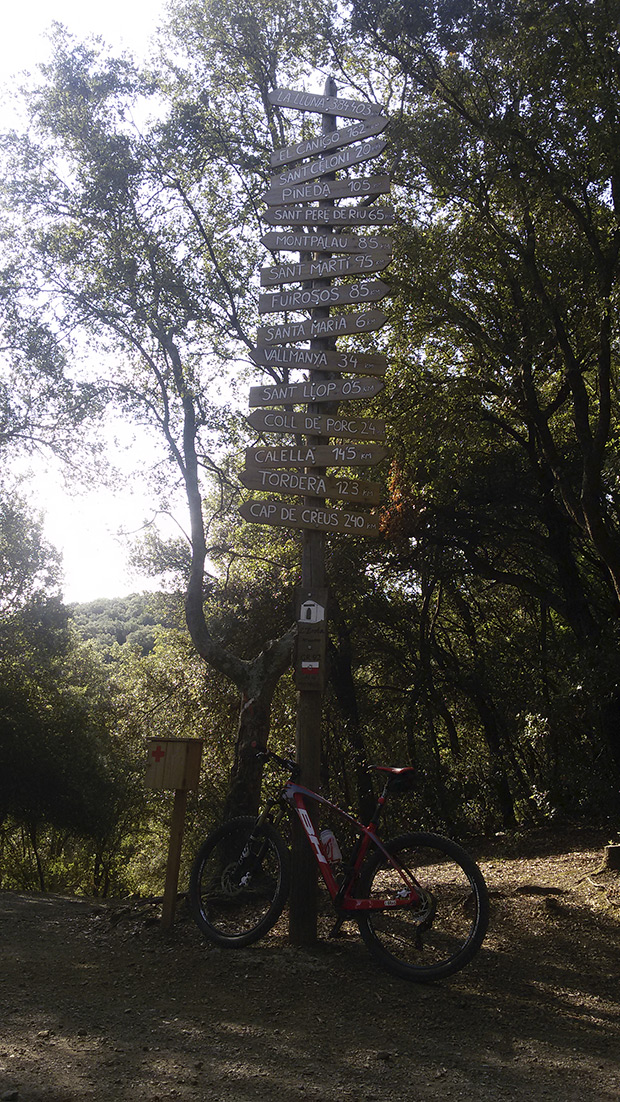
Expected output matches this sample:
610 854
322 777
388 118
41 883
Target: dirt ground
97 1003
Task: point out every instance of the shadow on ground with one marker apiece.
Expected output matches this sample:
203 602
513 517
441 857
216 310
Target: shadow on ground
98 1004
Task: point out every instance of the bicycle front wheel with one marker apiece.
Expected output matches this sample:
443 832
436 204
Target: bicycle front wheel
438 935
239 882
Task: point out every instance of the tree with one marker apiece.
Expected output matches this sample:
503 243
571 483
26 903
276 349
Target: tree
144 241
494 591
41 405
29 567
510 127
504 487
56 760
116 621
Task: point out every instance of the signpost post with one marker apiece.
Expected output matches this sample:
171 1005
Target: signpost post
304 194
173 764
310 655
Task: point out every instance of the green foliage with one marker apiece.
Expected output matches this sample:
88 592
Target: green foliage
40 405
501 561
29 567
62 776
117 621
56 760
518 228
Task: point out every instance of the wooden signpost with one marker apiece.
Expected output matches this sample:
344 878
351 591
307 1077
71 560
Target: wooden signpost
312 485
355 188
327 267
335 326
371 291
316 424
316 455
325 242
318 359
305 194
334 139
322 166
314 517
322 390
173 764
339 216
327 105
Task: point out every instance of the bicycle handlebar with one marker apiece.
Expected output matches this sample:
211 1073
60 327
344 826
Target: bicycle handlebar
263 754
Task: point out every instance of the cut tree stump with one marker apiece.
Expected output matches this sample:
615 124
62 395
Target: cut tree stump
612 855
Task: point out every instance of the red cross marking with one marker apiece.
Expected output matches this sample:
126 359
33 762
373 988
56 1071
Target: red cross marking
158 753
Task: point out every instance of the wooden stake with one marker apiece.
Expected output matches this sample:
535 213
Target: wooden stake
177 825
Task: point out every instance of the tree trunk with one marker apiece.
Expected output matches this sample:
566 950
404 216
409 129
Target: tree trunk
256 679
32 831
499 777
341 676
609 713
243 796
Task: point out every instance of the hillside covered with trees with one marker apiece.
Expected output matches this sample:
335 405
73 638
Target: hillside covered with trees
478 637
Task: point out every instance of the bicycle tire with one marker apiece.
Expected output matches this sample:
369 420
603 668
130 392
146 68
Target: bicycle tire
432 941
239 882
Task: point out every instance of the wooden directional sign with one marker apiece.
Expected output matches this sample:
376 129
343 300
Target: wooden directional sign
325 242
307 298
360 187
318 424
303 180
307 484
330 216
330 390
335 139
327 268
319 518
326 105
315 359
321 166
322 455
363 321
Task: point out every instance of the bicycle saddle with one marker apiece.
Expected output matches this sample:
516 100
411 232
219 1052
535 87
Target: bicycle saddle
400 777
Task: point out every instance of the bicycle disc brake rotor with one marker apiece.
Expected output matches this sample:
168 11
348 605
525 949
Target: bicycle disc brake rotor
425 911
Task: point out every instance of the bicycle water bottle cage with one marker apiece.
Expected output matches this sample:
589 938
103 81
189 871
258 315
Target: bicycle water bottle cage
400 778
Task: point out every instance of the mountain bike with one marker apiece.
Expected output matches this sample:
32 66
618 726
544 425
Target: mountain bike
419 900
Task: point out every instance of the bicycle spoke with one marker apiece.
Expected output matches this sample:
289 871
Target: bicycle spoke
239 882
439 934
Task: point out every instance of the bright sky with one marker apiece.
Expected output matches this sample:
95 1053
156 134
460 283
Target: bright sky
22 43
84 526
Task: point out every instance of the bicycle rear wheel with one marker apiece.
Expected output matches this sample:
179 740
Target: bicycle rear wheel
239 882
438 936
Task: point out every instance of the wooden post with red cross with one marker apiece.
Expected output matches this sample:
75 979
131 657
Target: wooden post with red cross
173 764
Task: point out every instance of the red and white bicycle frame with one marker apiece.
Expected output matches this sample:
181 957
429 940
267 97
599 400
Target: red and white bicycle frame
295 795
